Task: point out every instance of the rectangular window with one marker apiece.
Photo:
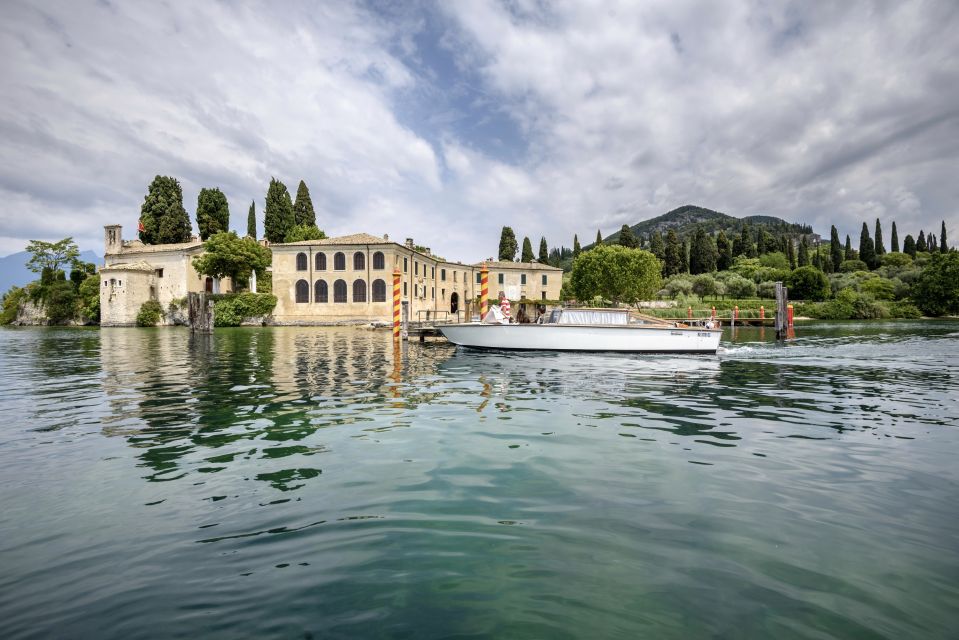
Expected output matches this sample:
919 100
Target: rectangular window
433 292
479 278
443 275
544 279
454 276
159 273
416 268
499 278
443 291
406 266
544 295
522 278
405 289
432 273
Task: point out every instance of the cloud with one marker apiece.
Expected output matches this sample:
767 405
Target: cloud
446 121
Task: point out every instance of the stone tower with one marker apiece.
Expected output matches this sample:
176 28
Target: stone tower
112 238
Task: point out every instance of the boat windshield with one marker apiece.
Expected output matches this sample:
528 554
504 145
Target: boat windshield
589 316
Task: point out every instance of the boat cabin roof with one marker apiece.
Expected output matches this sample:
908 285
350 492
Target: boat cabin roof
589 316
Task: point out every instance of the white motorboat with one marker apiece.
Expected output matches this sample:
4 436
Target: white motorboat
585 330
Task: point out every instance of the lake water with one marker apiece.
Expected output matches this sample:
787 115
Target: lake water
311 483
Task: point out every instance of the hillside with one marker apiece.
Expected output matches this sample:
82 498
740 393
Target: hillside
14 272
685 219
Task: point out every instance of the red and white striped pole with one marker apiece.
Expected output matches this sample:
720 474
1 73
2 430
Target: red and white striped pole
484 291
396 303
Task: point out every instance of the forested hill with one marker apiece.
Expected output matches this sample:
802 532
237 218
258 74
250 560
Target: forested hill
685 219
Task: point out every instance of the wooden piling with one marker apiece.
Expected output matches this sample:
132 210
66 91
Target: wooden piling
782 322
201 312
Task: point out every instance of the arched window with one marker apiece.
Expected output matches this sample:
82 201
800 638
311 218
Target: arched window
339 262
339 290
359 261
321 262
379 291
321 291
301 262
359 289
379 262
302 290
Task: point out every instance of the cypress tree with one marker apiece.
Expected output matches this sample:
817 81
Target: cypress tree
921 242
163 220
835 249
943 246
741 243
724 252
791 253
909 246
803 260
673 262
848 249
303 213
507 245
599 238
867 251
894 240
684 257
212 213
816 260
527 251
931 245
880 248
657 246
543 251
626 237
760 241
576 247
278 214
702 253
251 221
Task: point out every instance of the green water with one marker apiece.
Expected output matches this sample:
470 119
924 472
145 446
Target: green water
306 482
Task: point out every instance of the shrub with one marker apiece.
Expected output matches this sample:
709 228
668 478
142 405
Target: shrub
808 283
89 294
895 259
936 291
879 288
60 300
12 300
766 289
705 285
739 287
678 286
775 260
904 309
230 310
853 265
149 315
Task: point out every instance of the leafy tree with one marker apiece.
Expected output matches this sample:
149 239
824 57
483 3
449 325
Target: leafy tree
543 251
599 238
303 213
808 283
921 242
867 251
627 238
212 212
576 247
943 245
705 285
149 314
60 301
674 257
702 253
251 221
850 266
894 240
739 287
301 232
880 248
909 246
936 290
724 248
835 249
51 255
775 260
527 250
657 246
678 286
163 220
616 273
228 255
278 215
803 259
507 245
89 297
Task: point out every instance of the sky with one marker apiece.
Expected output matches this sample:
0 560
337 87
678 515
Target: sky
445 121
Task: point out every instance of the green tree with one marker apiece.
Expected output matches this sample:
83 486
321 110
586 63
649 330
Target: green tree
228 255
921 242
803 259
808 283
303 213
163 220
51 255
936 290
931 243
301 232
867 251
878 245
943 245
739 287
724 248
674 254
791 253
278 215
527 250
702 252
909 246
543 251
894 240
657 246
599 238
89 297
627 238
835 249
616 273
212 212
251 221
847 251
705 285
576 247
507 245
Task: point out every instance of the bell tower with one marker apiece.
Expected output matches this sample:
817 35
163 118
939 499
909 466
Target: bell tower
112 238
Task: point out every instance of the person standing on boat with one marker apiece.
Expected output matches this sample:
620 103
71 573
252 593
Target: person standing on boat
504 306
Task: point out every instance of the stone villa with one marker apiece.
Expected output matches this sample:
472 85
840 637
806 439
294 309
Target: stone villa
344 279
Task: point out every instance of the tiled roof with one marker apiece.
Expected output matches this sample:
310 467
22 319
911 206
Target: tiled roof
354 238
534 266
139 265
135 246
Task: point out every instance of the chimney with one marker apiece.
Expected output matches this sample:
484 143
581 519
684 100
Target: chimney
428 252
409 243
386 236
112 238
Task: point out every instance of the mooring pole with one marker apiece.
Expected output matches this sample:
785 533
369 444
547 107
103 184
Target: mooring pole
484 291
396 304
405 333
735 314
201 313
781 321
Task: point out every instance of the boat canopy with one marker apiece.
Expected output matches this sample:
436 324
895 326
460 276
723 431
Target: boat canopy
589 316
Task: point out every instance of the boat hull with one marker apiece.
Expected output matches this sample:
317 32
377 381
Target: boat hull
566 337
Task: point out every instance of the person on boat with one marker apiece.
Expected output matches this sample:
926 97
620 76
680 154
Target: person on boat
504 306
